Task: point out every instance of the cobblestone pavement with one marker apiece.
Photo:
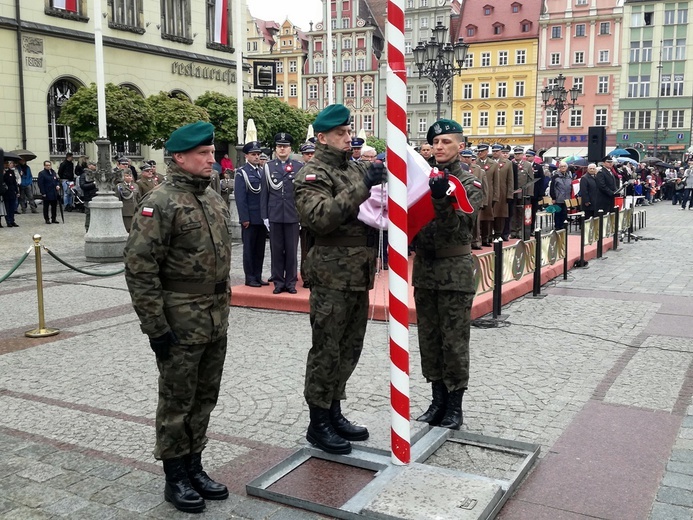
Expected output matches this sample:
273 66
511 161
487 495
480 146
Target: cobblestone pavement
78 408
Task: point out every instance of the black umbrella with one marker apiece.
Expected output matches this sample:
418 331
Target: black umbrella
11 156
662 164
25 154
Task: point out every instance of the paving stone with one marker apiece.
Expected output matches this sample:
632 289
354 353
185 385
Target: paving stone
89 486
669 512
290 513
112 494
678 480
675 496
95 511
68 506
682 455
5 504
40 472
35 495
140 502
255 509
73 461
687 422
65 479
110 471
139 479
685 468
25 513
36 451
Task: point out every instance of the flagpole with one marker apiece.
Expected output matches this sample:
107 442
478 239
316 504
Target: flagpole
396 85
328 53
238 45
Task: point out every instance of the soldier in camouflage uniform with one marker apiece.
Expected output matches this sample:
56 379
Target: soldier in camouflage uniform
340 267
443 280
177 262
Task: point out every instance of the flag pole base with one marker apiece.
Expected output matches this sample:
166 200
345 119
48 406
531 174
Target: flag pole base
41 332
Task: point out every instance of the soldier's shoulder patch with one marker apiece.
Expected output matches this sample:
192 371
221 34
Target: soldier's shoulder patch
311 176
477 184
147 212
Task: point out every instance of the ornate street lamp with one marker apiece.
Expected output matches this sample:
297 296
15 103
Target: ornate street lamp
439 60
556 99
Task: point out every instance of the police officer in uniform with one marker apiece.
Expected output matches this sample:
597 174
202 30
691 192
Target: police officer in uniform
248 187
279 208
356 146
341 269
177 262
443 280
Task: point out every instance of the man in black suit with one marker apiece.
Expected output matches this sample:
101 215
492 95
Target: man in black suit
607 184
588 191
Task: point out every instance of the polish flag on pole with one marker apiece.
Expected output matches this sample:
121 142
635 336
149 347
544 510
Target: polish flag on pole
221 22
66 5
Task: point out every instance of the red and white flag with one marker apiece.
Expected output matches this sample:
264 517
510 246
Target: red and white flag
221 22
66 5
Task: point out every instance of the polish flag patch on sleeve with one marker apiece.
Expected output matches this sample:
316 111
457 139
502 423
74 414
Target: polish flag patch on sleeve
311 176
147 212
477 184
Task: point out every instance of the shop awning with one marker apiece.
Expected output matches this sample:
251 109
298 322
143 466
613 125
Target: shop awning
566 151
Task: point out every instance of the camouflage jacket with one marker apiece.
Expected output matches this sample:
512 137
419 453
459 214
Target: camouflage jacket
328 191
180 233
449 228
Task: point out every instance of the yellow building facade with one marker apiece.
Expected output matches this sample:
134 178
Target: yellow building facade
495 97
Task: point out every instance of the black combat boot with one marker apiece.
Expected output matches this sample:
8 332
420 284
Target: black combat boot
179 490
436 411
203 484
453 410
321 433
344 427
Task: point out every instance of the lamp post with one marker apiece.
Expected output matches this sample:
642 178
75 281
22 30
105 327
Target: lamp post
439 60
657 116
556 98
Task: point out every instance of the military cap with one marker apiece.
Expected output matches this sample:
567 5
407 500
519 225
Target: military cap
264 157
283 138
467 153
152 162
608 158
518 149
381 156
331 117
191 136
357 142
123 160
481 147
443 126
146 167
307 148
311 140
530 152
496 147
506 148
252 147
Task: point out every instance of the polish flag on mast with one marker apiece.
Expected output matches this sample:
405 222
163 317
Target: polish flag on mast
221 22
66 5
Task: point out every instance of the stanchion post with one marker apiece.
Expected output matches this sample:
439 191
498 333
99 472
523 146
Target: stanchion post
617 210
536 289
581 262
601 233
497 278
41 331
565 256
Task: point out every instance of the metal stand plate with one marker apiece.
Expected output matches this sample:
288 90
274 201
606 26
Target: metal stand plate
409 492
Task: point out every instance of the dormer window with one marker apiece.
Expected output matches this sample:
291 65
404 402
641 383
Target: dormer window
516 6
488 9
471 30
498 28
526 25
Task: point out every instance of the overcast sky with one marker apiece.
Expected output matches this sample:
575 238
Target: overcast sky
299 12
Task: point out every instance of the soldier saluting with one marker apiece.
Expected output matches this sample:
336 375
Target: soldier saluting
177 262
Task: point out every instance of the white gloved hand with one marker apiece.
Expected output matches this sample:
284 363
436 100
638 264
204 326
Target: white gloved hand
266 222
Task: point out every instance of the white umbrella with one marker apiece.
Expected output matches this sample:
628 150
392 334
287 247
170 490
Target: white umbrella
362 135
250 131
310 134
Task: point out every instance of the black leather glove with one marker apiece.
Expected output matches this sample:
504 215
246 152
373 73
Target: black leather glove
439 184
161 345
374 174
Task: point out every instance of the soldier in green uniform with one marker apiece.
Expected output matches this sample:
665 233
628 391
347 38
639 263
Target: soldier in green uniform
340 267
443 281
147 181
177 262
129 194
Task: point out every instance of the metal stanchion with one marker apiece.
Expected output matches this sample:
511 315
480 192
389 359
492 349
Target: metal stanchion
617 211
536 289
601 233
582 262
497 278
41 331
565 256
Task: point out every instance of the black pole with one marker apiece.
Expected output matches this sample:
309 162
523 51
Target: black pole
565 256
536 289
497 278
601 233
617 212
581 262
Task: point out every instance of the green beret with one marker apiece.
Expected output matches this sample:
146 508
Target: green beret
443 126
331 117
191 136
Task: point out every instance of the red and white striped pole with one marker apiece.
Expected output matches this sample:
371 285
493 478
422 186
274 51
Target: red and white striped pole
397 232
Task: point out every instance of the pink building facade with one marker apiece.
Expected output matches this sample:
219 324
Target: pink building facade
580 39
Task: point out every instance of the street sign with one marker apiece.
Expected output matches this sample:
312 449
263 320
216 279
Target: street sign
679 136
625 137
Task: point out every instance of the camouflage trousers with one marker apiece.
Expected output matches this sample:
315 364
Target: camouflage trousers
338 320
444 321
189 382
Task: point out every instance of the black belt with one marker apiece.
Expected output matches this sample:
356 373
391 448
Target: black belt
195 288
432 254
362 241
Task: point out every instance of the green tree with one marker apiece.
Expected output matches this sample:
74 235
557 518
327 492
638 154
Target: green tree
223 114
128 118
380 145
171 112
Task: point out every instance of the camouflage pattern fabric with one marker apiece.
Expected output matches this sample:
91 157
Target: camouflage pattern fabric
338 320
189 382
444 321
186 238
328 205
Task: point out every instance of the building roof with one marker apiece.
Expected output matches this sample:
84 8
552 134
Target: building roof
497 21
267 29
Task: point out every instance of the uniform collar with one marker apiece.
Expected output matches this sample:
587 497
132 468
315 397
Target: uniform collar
185 180
332 156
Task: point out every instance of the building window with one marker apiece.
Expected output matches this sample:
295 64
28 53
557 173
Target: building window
678 85
467 91
487 11
520 57
318 67
604 56
175 16
423 125
663 119
312 92
578 83
500 118
605 28
360 63
634 52
526 26
485 59
466 119
603 85
317 46
350 90
556 31
484 90
579 58
346 65
293 90
407 47
680 49
579 29
279 67
642 19
629 119
280 90
255 46
59 138
469 61
483 118
669 16
424 22
667 50
345 23
333 23
346 6
423 94
408 95
407 23
471 30
516 7
665 87
367 89
647 50
519 89
644 121
519 118
551 119
497 28
677 118
361 43
502 58
367 122
409 126
501 89
127 15
575 117
555 58
682 17
292 66
600 116
423 3
346 43
580 2
70 9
